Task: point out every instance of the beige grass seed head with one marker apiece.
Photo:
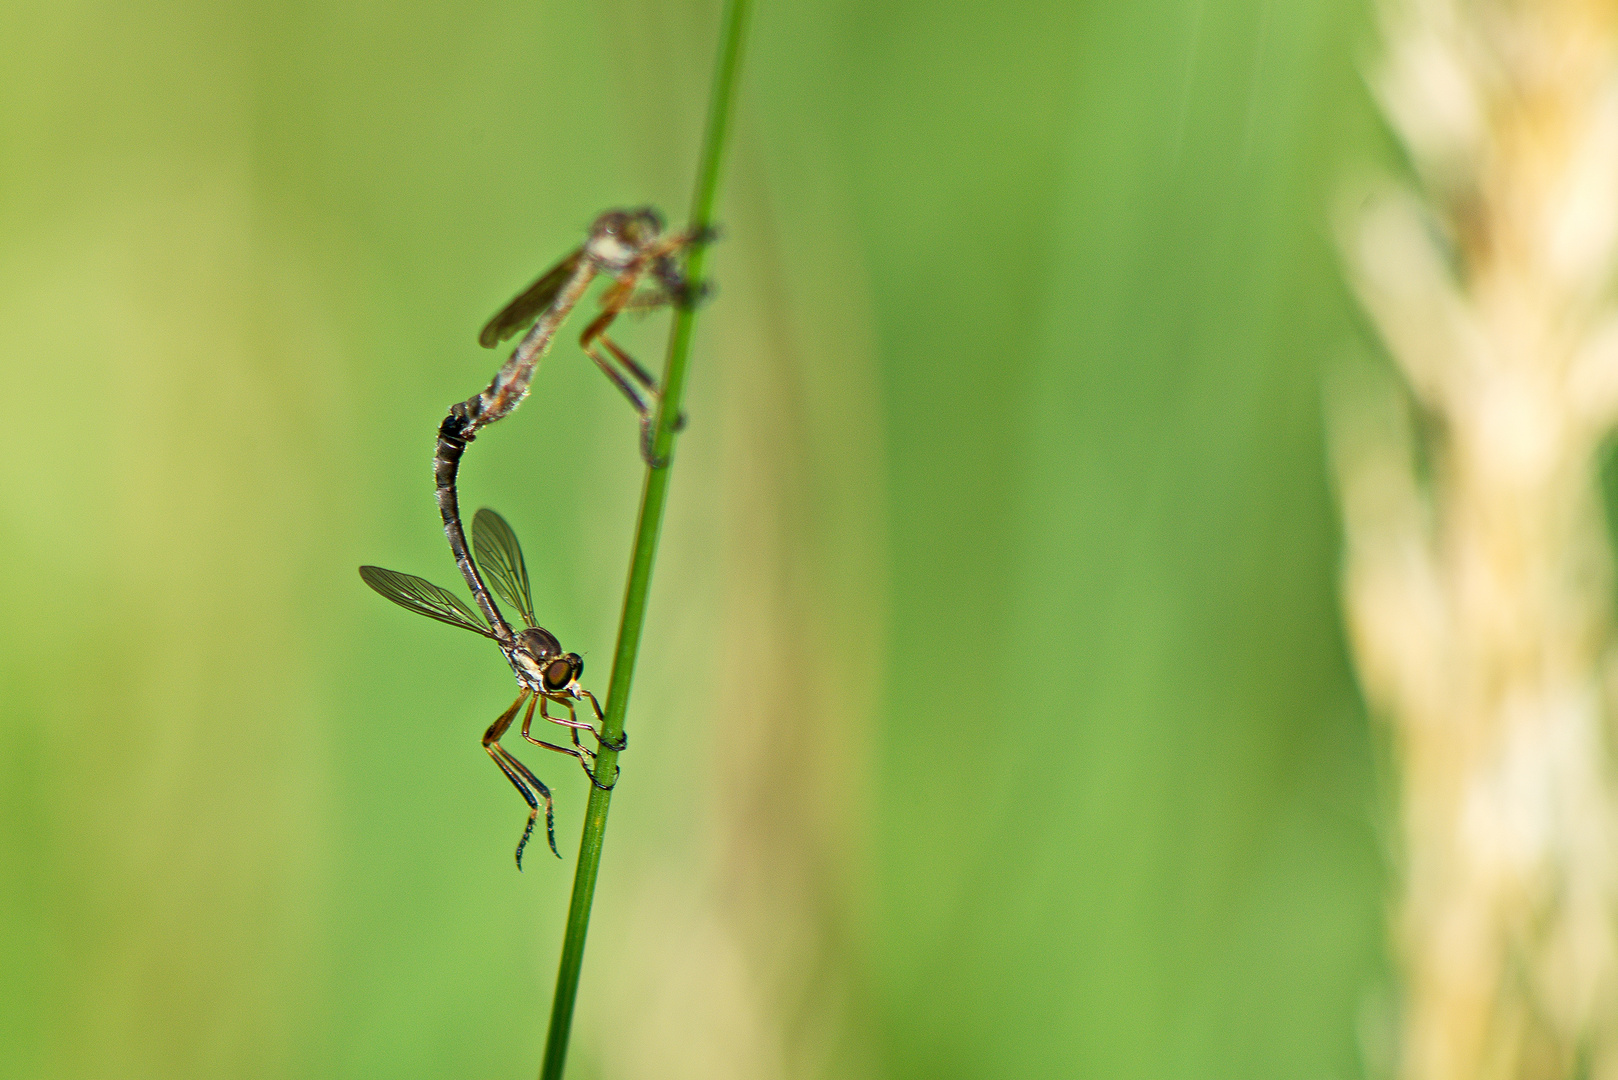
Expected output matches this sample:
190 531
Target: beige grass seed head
1479 590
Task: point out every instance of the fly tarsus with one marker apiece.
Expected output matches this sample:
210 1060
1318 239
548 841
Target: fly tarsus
527 784
598 784
528 830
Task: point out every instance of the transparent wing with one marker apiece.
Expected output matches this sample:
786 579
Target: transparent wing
500 558
423 596
530 302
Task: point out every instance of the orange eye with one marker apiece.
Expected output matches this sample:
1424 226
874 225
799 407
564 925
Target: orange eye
557 674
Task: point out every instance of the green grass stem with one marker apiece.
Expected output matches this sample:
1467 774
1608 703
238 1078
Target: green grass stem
654 496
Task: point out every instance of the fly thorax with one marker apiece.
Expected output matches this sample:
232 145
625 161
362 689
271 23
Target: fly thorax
539 643
529 669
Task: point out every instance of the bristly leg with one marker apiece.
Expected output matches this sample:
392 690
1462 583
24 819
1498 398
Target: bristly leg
545 794
499 759
533 790
527 831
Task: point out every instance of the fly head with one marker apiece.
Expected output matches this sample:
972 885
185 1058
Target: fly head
619 236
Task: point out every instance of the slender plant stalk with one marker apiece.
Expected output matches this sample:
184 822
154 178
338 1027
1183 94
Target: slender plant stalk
654 496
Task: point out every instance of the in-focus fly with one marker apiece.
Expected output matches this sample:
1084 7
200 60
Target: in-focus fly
545 674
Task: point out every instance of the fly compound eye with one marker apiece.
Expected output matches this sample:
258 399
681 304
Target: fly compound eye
558 673
611 223
576 662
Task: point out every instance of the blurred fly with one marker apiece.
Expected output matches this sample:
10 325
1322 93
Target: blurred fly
545 674
628 246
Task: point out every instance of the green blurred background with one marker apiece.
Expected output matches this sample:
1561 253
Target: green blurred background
994 718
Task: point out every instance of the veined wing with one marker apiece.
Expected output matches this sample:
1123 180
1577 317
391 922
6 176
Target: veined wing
423 596
500 558
530 302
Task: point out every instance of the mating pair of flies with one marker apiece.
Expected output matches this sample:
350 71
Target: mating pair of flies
646 267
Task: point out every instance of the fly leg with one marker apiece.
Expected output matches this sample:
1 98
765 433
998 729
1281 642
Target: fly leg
612 304
576 726
526 783
585 755
577 750
670 274
587 341
623 736
573 722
